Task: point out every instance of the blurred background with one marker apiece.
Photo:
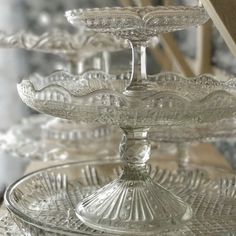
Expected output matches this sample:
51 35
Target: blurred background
39 16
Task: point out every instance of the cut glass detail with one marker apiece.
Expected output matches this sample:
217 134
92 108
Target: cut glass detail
170 100
44 202
138 23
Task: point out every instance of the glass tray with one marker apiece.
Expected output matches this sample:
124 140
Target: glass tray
43 202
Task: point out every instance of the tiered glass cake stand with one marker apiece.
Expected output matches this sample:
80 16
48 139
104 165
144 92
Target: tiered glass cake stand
129 198
44 138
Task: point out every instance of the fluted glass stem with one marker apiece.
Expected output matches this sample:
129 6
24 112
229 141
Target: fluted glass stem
183 155
107 60
139 72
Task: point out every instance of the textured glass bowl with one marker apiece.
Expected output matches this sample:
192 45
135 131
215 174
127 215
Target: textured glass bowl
170 100
138 23
43 203
41 137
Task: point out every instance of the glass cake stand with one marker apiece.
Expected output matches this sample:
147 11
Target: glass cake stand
44 202
134 203
87 98
56 138
39 137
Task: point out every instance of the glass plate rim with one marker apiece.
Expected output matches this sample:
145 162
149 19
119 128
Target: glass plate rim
17 213
23 217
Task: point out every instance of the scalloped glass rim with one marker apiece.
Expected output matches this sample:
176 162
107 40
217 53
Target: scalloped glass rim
149 20
62 42
203 184
170 100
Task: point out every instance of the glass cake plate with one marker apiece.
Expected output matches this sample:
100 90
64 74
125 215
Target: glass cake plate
7 226
44 202
170 100
138 23
40 137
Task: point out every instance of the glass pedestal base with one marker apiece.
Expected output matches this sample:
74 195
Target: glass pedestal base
133 204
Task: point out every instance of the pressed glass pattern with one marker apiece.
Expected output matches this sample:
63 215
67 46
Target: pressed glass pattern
44 202
138 23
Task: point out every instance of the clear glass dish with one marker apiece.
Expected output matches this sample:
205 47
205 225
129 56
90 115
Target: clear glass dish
44 202
40 137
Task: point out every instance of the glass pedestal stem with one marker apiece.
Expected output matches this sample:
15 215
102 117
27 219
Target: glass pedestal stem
135 147
183 155
106 61
139 73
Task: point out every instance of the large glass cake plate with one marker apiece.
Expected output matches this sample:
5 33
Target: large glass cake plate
44 202
39 137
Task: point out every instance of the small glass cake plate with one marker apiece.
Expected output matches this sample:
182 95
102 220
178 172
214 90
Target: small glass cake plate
138 23
39 137
44 202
